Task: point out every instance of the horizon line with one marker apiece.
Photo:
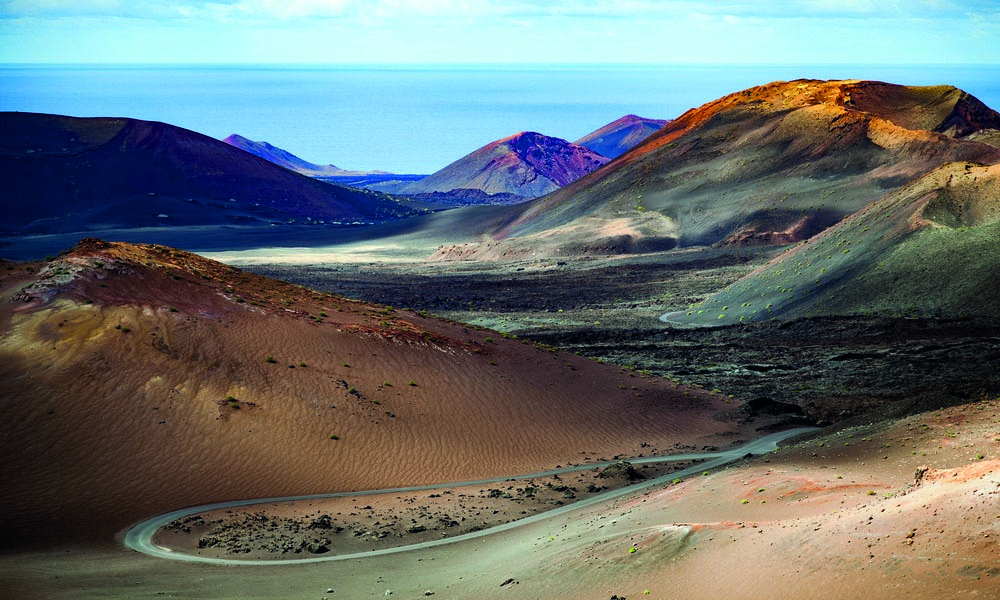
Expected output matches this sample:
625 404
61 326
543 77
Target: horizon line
472 65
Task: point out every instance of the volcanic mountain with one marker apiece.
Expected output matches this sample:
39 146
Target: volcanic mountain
286 159
769 165
621 135
145 373
72 174
929 249
527 164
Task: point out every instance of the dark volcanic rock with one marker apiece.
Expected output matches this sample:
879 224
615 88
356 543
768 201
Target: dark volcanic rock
621 470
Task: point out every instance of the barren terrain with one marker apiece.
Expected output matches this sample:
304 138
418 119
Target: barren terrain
438 374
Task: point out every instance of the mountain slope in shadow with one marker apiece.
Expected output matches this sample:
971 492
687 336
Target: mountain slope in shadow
71 174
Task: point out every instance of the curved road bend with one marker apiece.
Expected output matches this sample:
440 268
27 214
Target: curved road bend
140 536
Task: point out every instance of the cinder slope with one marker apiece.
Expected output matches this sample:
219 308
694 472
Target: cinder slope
135 380
66 174
620 135
769 165
930 248
527 164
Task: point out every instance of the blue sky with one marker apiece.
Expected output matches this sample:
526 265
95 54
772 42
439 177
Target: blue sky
493 31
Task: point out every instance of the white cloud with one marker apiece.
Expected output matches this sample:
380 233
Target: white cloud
513 30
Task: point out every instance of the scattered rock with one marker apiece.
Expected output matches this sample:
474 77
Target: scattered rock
621 470
320 547
321 522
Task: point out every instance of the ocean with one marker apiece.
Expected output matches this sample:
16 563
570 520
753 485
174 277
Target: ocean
413 119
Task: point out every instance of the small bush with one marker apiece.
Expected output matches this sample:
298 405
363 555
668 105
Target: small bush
334 436
269 359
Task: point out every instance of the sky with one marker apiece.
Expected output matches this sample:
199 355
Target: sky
493 31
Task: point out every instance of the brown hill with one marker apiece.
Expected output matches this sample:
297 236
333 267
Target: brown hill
620 135
769 165
71 174
527 164
931 248
138 379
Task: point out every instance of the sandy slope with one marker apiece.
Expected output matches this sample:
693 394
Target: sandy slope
136 380
835 517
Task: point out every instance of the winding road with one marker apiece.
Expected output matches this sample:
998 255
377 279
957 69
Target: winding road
140 536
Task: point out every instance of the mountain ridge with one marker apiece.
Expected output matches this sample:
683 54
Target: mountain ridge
286 159
620 135
771 164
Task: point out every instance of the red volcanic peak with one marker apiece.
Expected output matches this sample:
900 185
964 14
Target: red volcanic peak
527 164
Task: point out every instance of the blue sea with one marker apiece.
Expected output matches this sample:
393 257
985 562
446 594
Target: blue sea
412 119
